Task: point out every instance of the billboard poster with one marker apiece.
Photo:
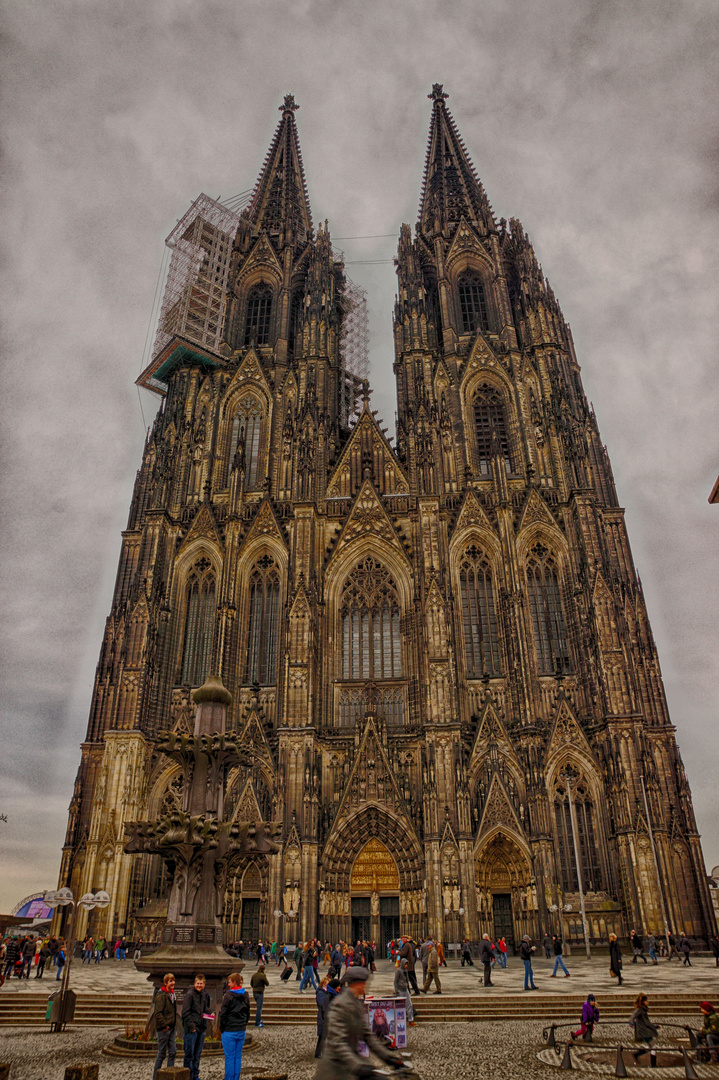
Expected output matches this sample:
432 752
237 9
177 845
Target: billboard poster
387 1018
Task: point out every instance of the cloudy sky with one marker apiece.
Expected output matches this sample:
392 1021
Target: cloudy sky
593 121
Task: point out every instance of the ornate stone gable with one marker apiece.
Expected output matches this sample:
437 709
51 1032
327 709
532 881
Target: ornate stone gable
203 527
249 370
253 739
535 509
490 730
262 255
368 517
567 732
367 452
471 515
248 808
371 780
265 524
465 240
498 811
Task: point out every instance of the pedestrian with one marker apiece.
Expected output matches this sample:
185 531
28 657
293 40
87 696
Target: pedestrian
324 996
615 958
590 1017
637 946
644 1030
165 1017
28 955
440 954
467 953
558 959
709 1032
258 983
407 953
714 943
59 960
547 942
673 946
335 962
42 960
195 1015
260 954
346 1026
11 954
502 946
652 942
485 956
137 954
525 953
234 1017
298 956
310 955
432 970
685 948
401 989
423 954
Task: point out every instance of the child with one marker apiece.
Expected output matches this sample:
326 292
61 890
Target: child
590 1017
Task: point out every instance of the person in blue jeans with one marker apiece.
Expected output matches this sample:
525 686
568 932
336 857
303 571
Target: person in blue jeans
309 972
558 961
234 1016
195 1014
525 952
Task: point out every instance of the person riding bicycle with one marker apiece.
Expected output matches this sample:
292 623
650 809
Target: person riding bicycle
346 1026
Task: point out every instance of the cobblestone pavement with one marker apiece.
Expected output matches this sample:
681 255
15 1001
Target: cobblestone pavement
702 978
490 1051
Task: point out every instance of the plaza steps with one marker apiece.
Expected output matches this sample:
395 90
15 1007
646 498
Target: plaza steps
118 1010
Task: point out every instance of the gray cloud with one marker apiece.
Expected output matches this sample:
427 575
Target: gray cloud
593 123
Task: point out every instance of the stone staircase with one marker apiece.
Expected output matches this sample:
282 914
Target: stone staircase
132 1010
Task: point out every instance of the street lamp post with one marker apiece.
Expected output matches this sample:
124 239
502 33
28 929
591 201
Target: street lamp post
64 898
567 776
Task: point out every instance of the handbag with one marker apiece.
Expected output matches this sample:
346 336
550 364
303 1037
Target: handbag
613 973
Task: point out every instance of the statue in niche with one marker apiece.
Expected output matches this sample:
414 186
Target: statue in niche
374 903
321 902
456 897
287 897
295 897
447 896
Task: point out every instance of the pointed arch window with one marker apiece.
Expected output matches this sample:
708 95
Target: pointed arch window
584 817
263 629
472 303
370 613
479 618
550 635
490 422
293 335
199 623
245 437
259 309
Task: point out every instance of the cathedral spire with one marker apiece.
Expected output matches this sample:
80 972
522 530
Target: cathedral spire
280 204
451 188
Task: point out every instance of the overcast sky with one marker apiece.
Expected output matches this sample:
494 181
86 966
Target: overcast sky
595 123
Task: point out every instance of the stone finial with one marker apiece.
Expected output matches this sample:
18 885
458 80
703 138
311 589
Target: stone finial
289 105
438 93
212 690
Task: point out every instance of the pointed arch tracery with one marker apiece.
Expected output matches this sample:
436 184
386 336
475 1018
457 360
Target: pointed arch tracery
573 799
199 622
370 616
473 310
246 431
479 616
258 314
263 622
545 604
490 427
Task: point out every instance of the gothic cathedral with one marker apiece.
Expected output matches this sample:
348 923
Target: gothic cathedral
438 652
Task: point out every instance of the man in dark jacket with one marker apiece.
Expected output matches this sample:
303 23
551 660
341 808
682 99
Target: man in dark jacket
525 952
165 1016
11 955
346 1025
195 1013
259 983
28 955
407 953
234 1016
485 956
42 960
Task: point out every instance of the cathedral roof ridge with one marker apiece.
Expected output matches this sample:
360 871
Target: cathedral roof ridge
280 200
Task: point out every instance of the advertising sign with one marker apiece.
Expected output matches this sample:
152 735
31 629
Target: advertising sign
387 1017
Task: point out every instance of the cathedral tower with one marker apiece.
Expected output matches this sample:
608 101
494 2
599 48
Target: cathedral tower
440 654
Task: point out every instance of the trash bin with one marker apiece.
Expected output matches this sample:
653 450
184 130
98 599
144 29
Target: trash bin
61 1009
51 1005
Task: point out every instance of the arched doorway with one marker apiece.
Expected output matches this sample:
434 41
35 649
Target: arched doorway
374 896
506 896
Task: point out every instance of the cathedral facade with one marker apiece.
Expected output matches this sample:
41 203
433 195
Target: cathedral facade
438 651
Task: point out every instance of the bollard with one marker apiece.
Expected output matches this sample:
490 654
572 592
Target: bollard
4 1071
567 1059
621 1069
82 1072
692 1037
551 1041
688 1067
173 1072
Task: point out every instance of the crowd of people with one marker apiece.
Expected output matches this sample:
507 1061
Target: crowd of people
18 956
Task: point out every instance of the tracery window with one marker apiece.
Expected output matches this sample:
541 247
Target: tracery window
584 816
550 635
371 641
295 323
245 435
199 623
263 629
490 424
479 618
259 309
472 303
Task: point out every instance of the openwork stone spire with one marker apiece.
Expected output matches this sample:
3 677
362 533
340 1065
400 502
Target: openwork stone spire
280 204
451 188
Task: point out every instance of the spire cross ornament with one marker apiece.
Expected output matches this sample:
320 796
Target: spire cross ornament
438 93
289 105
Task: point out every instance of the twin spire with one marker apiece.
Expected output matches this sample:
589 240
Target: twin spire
451 188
